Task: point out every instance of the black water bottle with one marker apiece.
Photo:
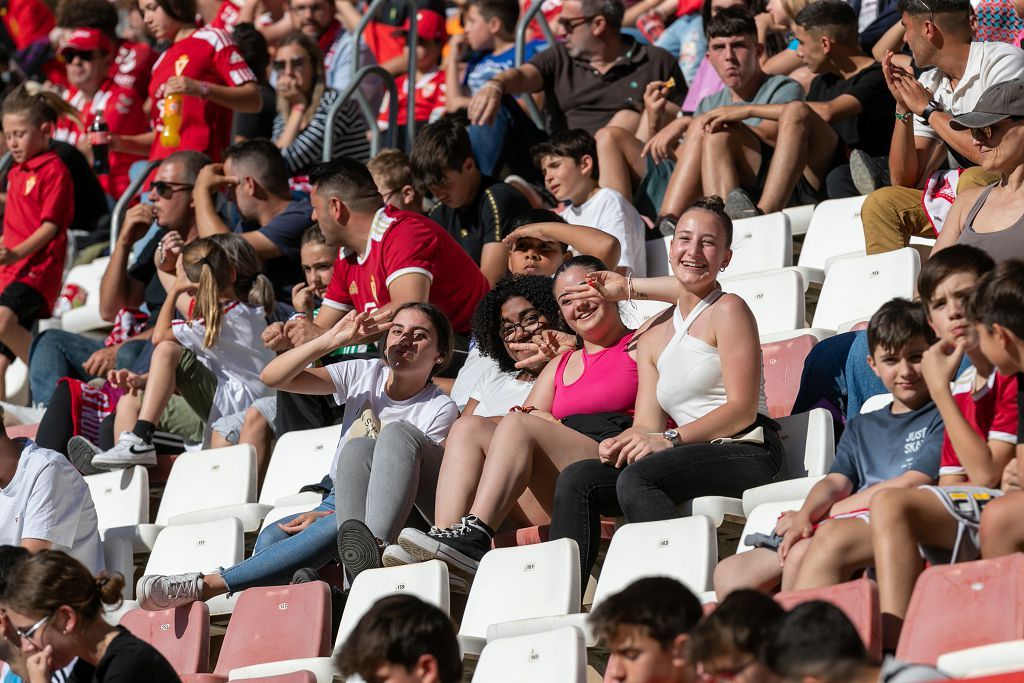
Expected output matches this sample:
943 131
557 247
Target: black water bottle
99 139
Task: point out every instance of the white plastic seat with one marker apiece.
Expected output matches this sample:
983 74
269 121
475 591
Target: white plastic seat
856 287
835 230
16 383
799 218
86 318
557 656
760 243
121 498
874 403
775 297
657 257
118 557
790 489
762 519
985 660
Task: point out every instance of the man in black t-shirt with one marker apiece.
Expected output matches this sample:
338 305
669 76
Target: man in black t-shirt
475 209
848 107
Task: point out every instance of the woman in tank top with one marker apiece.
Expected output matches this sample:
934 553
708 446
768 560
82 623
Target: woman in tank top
991 218
700 367
530 445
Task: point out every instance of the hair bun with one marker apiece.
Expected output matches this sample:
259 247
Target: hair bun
110 587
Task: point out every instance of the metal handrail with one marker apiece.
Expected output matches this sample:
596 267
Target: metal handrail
365 109
520 52
410 128
121 207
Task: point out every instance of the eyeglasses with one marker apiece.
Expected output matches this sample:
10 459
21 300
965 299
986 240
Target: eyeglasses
295 63
85 55
721 676
527 325
31 630
570 25
315 8
166 190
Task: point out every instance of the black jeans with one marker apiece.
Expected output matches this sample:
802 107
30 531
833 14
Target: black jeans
652 488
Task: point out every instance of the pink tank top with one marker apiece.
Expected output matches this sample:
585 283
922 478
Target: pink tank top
608 383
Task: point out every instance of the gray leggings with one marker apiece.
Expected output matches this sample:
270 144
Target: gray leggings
378 480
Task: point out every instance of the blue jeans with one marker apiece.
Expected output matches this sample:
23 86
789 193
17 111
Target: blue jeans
507 140
685 39
278 555
56 353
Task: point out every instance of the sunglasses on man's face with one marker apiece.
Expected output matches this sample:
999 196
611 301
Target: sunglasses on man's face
166 190
295 63
85 55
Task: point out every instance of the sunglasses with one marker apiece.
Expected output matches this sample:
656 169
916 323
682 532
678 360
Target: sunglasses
570 25
85 55
166 190
31 630
295 63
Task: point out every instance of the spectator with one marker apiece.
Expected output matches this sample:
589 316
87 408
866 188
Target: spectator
55 604
990 218
571 170
647 471
848 107
45 503
254 48
474 208
593 78
729 642
827 539
430 91
979 412
221 330
255 176
317 20
206 68
303 104
647 627
402 638
541 241
89 56
40 204
939 37
392 172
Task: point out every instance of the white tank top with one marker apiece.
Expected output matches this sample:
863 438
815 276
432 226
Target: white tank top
690 383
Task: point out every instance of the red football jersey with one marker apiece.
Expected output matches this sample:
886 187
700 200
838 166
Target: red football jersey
209 55
38 190
992 412
133 66
431 95
402 242
122 110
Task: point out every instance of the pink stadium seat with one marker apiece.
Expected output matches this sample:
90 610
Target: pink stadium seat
182 635
23 431
539 534
272 624
958 606
858 600
293 677
783 365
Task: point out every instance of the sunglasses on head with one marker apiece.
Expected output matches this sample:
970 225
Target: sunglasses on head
295 63
84 55
166 190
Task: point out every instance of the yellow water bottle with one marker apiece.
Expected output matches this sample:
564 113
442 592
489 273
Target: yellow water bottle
170 136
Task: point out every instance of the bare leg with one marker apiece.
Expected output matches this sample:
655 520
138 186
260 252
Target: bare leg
128 408
794 560
526 451
625 118
257 432
838 549
685 184
730 159
161 383
213 585
621 166
461 467
13 335
805 145
757 569
217 440
5 364
1002 526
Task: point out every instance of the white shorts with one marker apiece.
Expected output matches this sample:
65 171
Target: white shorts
964 504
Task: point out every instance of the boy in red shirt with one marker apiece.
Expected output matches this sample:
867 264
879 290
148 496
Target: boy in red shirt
431 97
40 205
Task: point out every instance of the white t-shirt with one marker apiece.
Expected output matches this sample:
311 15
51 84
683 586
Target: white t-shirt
475 367
49 500
360 384
237 358
497 391
609 211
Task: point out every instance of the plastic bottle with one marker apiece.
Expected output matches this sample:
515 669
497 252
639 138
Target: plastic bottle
170 136
99 138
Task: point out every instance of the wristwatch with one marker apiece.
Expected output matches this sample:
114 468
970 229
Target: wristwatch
672 436
932 107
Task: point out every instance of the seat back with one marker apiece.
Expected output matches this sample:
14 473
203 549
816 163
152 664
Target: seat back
684 548
859 602
207 479
121 498
300 458
783 363
275 623
876 402
856 287
426 580
181 635
557 656
776 298
809 440
119 557
955 607
539 580
763 518
760 243
835 229
196 547
657 257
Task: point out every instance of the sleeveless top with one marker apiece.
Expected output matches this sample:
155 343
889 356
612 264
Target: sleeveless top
690 383
607 385
1002 245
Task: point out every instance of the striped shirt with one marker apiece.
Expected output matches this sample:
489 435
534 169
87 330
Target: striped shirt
306 151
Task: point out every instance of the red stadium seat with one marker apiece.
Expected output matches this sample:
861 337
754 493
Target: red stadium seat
539 534
293 677
958 606
272 624
858 600
181 635
783 364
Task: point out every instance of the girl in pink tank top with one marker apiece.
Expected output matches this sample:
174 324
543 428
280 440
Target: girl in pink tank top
608 383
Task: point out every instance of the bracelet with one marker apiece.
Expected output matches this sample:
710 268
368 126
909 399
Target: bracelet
629 290
905 118
495 83
204 89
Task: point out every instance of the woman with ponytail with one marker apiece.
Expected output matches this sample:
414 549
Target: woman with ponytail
54 606
225 310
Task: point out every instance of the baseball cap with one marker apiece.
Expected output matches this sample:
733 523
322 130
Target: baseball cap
429 26
1000 101
86 40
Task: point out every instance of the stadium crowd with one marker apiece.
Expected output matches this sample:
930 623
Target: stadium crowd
466 308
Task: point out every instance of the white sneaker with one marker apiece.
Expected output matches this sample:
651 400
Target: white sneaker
156 592
129 450
397 556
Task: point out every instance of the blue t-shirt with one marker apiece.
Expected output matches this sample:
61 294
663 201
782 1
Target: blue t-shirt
285 231
488 65
879 446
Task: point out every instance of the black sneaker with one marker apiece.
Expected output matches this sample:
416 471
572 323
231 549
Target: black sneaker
738 205
305 575
358 548
81 451
868 173
461 547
